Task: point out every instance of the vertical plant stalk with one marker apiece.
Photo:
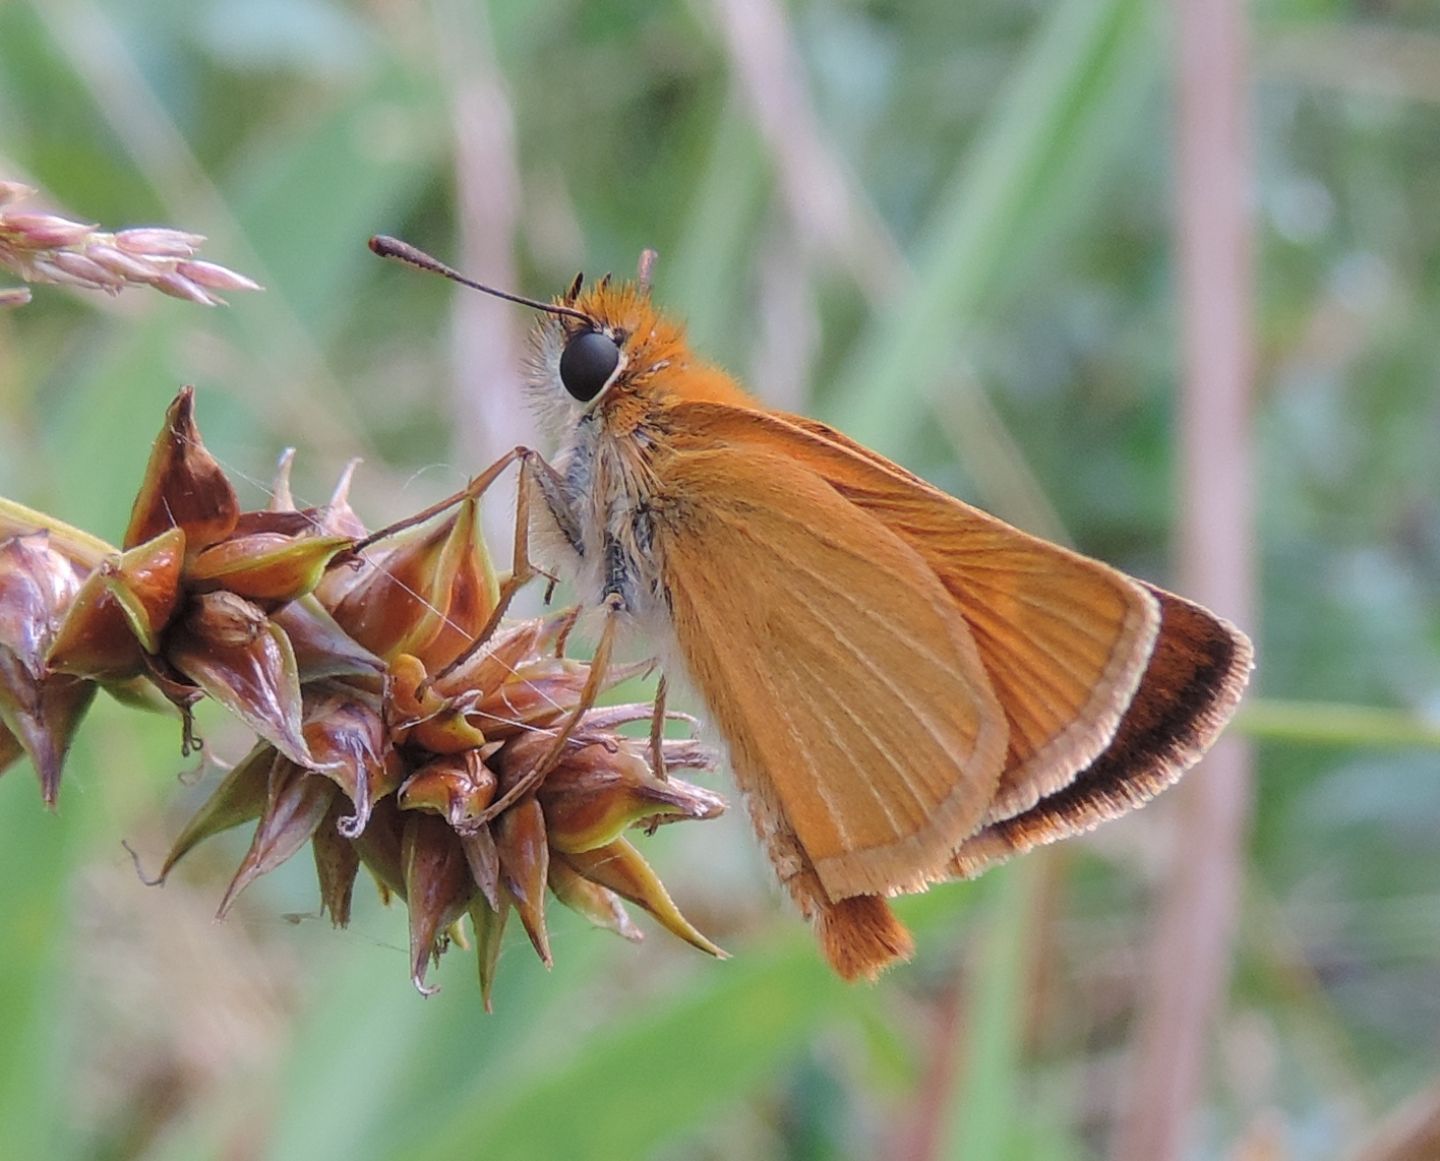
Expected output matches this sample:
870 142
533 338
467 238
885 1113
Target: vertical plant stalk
1189 959
486 341
919 1133
1074 60
829 210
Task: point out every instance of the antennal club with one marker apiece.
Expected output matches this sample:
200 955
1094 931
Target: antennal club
388 247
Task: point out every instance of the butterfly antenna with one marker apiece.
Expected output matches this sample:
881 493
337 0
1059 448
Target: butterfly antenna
388 247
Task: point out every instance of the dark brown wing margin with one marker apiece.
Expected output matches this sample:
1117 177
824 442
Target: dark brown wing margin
1189 690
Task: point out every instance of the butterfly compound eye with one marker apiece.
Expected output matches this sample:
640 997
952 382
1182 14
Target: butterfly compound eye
587 363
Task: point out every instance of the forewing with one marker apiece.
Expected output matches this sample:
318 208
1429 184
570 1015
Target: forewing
859 717
1064 639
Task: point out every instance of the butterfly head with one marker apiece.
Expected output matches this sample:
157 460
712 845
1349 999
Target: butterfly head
615 354
603 352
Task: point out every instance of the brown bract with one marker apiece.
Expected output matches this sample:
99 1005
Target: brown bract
462 737
186 605
39 710
376 748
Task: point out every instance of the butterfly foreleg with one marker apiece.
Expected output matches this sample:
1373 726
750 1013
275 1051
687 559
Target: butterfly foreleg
535 475
594 683
657 732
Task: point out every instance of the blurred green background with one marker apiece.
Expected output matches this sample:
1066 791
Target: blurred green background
949 229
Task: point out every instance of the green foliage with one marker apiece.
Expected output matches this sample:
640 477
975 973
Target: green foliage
1017 159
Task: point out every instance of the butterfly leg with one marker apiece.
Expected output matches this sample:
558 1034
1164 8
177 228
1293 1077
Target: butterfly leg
657 733
535 474
475 488
594 683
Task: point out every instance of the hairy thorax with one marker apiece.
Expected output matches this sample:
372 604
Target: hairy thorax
612 491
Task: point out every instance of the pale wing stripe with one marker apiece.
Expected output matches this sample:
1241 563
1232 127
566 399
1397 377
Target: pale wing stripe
898 825
814 533
779 707
1061 616
1067 615
1036 690
982 560
1030 559
939 736
817 779
882 753
772 703
1039 680
942 738
1061 664
870 614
